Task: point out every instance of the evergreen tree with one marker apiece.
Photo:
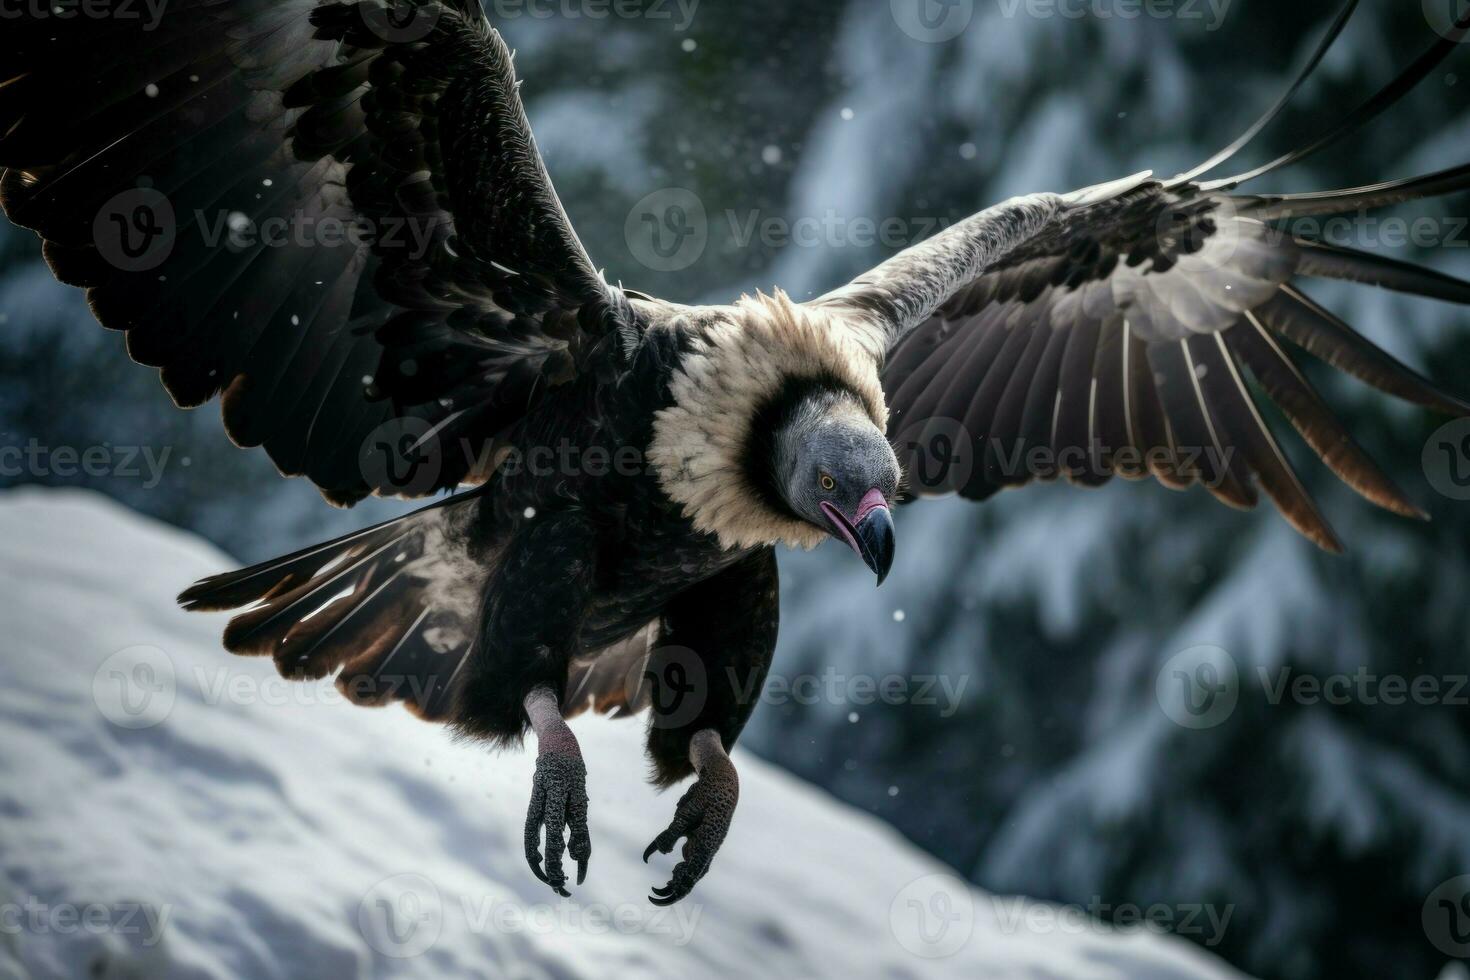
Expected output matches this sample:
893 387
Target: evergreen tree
1046 759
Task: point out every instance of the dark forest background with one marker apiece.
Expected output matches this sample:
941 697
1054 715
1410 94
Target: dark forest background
1060 771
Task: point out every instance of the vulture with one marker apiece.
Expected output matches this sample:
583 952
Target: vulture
332 215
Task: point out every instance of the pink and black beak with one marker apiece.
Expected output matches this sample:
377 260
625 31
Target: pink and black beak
869 531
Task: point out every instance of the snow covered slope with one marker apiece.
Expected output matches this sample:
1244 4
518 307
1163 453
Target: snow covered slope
169 811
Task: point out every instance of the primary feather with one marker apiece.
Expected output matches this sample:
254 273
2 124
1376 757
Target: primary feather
1135 329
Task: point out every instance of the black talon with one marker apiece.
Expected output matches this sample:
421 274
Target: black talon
702 818
558 802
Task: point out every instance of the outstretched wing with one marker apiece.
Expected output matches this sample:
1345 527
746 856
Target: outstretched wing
1127 330
332 214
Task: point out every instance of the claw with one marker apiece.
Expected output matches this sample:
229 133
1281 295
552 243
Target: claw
680 885
701 818
558 801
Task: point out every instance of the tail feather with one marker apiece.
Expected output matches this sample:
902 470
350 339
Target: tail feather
390 608
232 590
317 600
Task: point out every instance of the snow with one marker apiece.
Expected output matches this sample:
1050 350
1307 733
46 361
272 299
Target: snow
170 811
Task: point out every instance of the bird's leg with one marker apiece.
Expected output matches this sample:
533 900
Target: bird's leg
530 624
702 816
729 623
558 793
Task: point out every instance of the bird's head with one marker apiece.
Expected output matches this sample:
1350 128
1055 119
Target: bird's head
832 467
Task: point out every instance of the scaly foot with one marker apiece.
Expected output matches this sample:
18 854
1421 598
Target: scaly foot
558 795
703 816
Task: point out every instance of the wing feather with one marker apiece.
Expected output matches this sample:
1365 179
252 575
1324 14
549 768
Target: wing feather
1074 411
1119 333
1110 423
352 229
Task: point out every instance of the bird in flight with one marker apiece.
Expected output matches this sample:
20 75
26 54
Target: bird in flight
334 217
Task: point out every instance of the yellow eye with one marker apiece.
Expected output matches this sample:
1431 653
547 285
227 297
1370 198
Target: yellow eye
828 483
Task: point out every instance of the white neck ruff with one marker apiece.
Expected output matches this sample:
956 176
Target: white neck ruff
736 365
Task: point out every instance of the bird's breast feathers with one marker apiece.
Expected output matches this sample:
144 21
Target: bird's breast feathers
735 363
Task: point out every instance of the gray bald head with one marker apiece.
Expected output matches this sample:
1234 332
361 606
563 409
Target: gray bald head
834 468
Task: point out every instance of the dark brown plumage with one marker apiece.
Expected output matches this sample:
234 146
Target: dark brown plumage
455 330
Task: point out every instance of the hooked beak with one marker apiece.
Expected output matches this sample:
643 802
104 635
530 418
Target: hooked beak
869 532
